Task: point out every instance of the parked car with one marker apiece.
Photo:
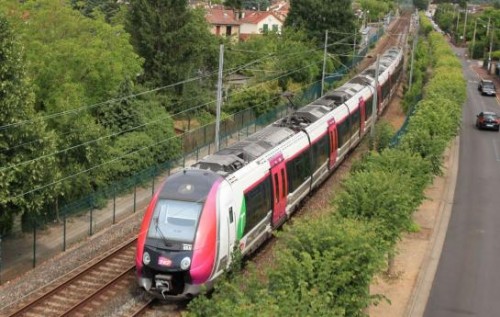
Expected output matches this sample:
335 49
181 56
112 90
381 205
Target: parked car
488 120
487 87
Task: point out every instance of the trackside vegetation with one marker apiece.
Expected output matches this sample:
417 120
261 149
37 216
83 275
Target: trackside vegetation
325 265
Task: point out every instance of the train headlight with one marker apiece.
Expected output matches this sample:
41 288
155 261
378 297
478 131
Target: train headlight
146 258
185 263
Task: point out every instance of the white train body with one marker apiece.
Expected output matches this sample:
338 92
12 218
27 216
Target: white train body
239 195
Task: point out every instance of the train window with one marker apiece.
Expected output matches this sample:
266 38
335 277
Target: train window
355 121
320 152
174 220
369 107
231 215
276 188
258 203
298 170
385 89
343 132
283 180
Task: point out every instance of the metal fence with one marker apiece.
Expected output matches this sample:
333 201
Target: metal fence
82 218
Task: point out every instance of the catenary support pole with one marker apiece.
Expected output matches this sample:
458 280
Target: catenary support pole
324 63
374 101
219 97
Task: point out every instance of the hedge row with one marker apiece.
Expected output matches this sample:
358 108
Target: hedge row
325 265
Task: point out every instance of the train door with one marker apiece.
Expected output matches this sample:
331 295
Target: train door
227 230
362 109
280 188
333 137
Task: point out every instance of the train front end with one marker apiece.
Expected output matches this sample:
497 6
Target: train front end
177 243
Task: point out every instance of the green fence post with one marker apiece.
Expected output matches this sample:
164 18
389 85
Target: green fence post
135 192
153 185
91 211
114 204
34 243
64 229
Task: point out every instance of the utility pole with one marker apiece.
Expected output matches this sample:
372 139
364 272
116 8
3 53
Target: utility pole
465 22
471 54
415 40
324 63
354 47
219 97
374 101
488 27
491 47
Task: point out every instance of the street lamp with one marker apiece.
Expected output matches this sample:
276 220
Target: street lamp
475 33
491 46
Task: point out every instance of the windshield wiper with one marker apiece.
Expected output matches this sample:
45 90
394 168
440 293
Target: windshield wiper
158 229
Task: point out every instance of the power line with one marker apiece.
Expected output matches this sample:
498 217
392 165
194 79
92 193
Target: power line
123 131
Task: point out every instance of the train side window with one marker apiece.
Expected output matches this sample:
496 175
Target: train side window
343 132
355 120
231 215
276 188
320 152
258 203
369 107
298 170
283 181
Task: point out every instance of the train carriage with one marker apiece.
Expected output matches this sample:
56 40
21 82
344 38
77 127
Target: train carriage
237 196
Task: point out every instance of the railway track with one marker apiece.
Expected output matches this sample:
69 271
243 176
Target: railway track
85 290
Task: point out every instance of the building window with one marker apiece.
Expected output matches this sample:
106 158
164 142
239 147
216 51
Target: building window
228 30
275 27
265 28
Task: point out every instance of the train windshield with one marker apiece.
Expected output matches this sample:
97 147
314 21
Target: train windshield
175 220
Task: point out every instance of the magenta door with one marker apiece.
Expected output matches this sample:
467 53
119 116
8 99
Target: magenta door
332 136
280 188
362 109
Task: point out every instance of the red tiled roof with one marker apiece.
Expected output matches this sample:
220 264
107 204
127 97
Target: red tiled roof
221 17
254 17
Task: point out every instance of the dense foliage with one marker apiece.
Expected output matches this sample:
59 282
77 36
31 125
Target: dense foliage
317 16
24 138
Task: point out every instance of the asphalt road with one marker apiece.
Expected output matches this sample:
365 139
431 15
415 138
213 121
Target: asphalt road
467 281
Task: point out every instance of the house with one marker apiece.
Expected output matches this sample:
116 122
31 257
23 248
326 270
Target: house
259 22
280 8
223 22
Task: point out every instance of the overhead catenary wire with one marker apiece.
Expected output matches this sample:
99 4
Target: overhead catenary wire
113 101
75 111
120 132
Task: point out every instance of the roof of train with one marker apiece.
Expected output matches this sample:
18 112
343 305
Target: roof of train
235 156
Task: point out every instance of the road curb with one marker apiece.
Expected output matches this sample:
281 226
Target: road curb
422 288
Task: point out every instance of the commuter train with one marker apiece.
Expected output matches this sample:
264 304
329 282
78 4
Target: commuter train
237 196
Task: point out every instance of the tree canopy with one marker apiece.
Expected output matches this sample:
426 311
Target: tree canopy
173 39
23 137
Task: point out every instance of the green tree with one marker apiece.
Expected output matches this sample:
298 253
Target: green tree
92 8
76 64
318 16
23 140
173 39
